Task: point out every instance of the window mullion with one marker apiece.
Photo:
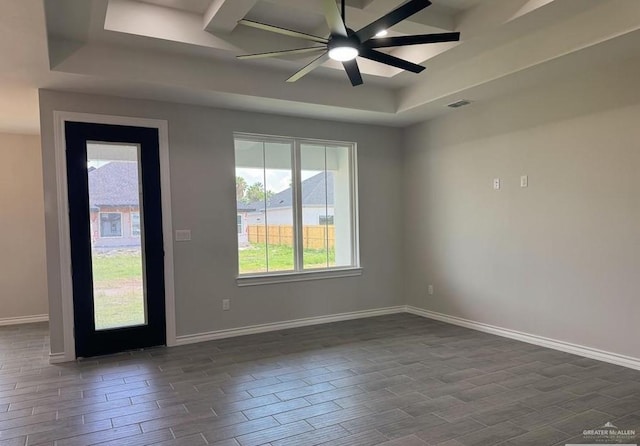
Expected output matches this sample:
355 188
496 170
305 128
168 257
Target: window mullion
326 206
297 208
266 209
353 192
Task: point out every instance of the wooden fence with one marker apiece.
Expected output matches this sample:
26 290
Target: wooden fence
313 236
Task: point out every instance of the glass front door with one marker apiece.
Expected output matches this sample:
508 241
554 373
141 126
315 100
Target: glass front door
116 237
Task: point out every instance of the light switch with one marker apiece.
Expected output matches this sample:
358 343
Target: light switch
183 235
524 181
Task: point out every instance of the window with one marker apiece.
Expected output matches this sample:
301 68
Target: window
135 224
298 198
325 220
110 224
239 223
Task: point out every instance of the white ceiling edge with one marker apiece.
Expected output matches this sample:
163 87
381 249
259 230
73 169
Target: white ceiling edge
207 83
609 55
213 99
146 71
578 69
615 57
580 33
208 76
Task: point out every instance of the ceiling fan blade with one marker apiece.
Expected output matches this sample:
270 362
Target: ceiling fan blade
351 67
284 31
312 49
385 42
309 67
395 16
334 19
388 59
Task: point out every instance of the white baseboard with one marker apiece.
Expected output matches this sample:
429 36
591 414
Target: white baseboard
263 328
57 358
24 319
581 350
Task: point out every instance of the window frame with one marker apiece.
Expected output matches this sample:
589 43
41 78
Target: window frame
240 223
139 224
100 225
299 273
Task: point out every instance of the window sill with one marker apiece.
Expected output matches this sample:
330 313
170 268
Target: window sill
266 279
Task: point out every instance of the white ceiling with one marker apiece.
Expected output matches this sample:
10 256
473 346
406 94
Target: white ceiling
184 51
195 6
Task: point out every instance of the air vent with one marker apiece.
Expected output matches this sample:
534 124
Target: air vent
459 104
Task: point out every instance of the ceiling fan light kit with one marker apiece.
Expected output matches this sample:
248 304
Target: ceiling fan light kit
344 44
343 49
343 53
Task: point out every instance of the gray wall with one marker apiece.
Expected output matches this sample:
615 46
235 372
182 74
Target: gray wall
557 259
560 258
23 279
203 200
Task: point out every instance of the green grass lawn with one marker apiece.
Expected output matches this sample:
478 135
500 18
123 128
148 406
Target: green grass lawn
124 266
120 310
253 259
117 279
116 266
118 292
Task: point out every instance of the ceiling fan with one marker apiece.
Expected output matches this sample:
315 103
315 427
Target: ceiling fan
344 44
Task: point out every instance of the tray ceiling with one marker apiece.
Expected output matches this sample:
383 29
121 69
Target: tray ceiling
184 51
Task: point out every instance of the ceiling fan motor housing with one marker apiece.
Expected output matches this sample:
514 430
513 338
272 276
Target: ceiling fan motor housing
342 48
336 41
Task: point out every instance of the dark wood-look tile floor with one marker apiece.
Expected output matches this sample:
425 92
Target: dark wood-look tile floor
397 380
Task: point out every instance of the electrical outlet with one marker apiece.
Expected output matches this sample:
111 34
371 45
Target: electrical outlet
430 290
496 183
226 305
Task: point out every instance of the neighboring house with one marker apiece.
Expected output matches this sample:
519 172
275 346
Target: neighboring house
114 205
243 212
317 204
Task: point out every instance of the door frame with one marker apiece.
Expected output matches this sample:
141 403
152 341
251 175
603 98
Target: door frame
64 235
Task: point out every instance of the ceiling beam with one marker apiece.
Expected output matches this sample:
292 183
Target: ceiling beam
223 15
433 16
158 22
487 16
431 20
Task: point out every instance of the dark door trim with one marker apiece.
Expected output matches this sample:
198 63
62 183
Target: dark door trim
89 341
62 320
